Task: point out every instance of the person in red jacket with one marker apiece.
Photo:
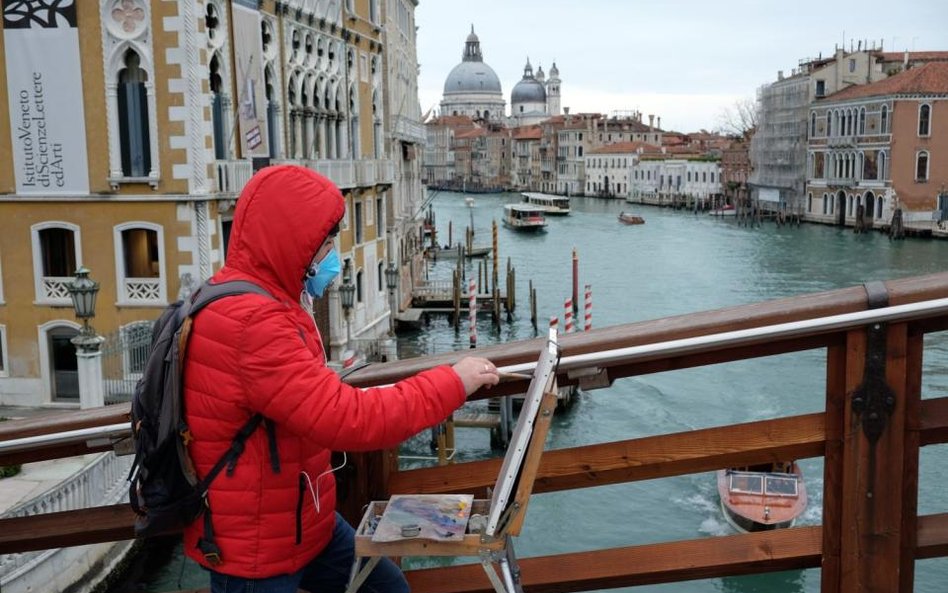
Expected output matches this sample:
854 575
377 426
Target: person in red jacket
272 524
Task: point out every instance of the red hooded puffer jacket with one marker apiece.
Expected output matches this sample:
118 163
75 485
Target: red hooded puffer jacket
250 354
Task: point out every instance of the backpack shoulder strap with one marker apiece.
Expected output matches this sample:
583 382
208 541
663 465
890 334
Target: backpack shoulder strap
209 292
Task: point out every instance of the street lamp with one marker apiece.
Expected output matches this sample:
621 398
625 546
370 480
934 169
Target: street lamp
83 291
391 281
347 296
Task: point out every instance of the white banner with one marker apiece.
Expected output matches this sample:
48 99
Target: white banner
251 99
768 194
44 89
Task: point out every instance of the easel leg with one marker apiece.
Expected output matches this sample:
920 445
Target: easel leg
359 575
505 563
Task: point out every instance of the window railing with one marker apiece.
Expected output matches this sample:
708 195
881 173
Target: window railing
55 289
142 290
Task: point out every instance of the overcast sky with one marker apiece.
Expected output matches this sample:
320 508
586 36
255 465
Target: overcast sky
683 60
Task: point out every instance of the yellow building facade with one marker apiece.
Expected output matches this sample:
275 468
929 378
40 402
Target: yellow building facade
129 138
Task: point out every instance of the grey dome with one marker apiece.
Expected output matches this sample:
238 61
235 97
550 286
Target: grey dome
472 77
528 91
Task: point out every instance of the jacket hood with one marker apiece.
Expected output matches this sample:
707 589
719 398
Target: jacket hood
283 215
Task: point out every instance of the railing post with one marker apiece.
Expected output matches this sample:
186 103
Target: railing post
876 501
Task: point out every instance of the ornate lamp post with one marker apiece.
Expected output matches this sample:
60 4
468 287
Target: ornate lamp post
347 296
391 281
83 291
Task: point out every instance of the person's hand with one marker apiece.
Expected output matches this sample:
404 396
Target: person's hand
476 372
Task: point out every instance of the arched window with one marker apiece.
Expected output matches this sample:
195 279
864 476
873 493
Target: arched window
884 126
921 165
882 164
133 117
139 268
825 203
56 257
862 121
812 124
924 120
217 106
829 123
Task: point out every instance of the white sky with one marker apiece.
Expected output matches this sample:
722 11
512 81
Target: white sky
683 60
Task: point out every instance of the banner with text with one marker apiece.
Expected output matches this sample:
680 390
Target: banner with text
251 100
44 87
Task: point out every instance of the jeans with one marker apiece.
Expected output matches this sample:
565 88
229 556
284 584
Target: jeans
327 573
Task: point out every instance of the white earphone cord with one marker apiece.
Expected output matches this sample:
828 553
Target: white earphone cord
315 493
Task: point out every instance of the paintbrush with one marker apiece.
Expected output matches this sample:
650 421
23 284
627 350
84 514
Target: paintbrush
504 376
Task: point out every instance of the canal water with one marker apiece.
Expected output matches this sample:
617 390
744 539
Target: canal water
678 262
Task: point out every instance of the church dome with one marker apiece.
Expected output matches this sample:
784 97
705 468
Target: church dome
528 91
472 77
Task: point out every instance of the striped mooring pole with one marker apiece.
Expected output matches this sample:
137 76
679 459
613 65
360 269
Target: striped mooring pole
472 311
568 316
588 309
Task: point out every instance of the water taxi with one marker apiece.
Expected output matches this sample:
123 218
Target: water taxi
629 218
524 217
553 205
762 497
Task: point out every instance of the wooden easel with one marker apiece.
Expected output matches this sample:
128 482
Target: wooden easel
493 544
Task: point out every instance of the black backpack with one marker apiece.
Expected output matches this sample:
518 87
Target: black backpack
164 490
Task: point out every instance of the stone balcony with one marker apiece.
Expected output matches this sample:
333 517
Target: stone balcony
233 175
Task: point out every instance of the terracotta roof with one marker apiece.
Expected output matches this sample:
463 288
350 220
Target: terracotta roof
927 78
914 56
527 133
626 148
475 133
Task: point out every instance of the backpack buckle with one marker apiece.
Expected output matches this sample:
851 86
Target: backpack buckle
213 558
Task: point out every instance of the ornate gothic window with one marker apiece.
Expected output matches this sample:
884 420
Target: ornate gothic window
130 91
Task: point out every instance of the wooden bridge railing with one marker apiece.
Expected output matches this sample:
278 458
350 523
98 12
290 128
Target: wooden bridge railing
869 433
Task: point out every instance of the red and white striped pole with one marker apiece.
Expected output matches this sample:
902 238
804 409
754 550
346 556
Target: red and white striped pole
472 311
588 309
568 316
554 322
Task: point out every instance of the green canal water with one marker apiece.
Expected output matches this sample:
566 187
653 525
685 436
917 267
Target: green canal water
676 263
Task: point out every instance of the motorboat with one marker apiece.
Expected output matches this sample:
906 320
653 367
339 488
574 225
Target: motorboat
727 210
552 205
524 217
762 497
629 218
447 252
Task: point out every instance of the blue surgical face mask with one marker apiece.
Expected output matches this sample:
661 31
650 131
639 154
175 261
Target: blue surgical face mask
322 274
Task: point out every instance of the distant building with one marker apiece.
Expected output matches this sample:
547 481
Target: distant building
779 144
735 171
882 148
609 168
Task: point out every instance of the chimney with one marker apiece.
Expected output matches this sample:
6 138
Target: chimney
651 122
905 60
566 111
659 122
779 74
